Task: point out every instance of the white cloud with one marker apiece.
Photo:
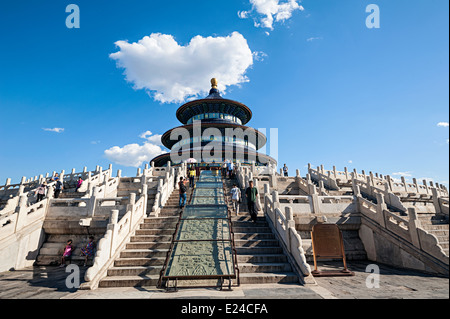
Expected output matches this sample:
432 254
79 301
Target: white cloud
350 162
314 39
271 11
155 139
243 14
443 124
172 73
259 56
55 130
404 174
134 155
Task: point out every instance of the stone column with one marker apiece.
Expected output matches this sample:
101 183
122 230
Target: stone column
437 205
22 212
381 207
266 193
416 185
132 199
315 202
414 224
92 202
290 223
275 200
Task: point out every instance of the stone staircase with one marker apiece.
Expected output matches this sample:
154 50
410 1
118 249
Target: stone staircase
438 227
353 246
56 237
261 259
140 263
53 248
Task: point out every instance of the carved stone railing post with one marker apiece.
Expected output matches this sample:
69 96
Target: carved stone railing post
381 207
414 224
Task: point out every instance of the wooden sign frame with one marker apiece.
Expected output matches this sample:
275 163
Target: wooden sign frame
328 243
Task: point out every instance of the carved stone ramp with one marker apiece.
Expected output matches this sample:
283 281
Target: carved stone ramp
202 253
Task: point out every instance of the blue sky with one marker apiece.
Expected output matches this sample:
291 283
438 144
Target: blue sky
339 93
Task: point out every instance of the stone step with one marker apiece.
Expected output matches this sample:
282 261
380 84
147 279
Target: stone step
160 224
69 195
161 219
246 218
57 249
435 227
444 244
158 232
129 281
258 223
432 222
46 260
259 250
438 232
169 212
253 236
349 256
269 258
143 253
164 231
134 271
268 278
128 262
148 245
256 243
264 230
264 267
150 238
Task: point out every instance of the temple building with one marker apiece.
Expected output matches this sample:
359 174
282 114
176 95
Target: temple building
214 131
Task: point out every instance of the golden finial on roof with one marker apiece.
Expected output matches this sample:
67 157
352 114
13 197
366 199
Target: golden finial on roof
214 83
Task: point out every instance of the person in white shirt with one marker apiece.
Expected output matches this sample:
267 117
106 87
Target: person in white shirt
40 192
236 197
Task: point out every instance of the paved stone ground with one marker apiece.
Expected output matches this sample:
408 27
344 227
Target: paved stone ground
50 283
394 283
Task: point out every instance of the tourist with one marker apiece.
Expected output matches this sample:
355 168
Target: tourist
183 190
192 175
67 253
89 250
285 170
224 169
236 198
230 169
79 183
58 187
40 192
251 194
234 173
